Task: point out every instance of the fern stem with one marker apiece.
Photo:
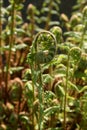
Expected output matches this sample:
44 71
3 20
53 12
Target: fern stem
50 72
1 64
40 96
32 21
82 39
84 30
10 47
65 99
0 21
49 15
33 83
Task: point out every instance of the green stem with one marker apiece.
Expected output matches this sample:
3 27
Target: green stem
10 47
50 72
33 83
82 39
49 15
84 32
40 94
65 99
32 25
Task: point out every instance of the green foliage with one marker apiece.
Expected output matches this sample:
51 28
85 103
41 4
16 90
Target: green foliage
49 91
50 8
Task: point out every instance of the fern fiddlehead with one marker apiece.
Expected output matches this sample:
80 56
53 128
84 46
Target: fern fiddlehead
43 51
44 47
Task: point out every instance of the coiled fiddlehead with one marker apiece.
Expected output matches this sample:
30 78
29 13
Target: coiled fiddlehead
43 51
44 47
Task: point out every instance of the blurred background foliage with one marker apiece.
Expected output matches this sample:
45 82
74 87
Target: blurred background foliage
65 6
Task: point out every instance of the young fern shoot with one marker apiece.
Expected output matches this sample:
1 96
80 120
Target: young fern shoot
42 52
74 55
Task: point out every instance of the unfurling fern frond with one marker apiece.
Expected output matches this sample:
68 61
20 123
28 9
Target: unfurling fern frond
44 47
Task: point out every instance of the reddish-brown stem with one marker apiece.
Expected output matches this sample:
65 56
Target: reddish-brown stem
10 47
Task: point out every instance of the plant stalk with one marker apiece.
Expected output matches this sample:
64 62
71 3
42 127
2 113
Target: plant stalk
32 25
0 22
40 90
33 82
66 91
10 47
1 63
49 15
82 39
84 32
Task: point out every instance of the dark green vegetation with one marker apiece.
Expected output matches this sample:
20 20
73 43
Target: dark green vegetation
43 69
